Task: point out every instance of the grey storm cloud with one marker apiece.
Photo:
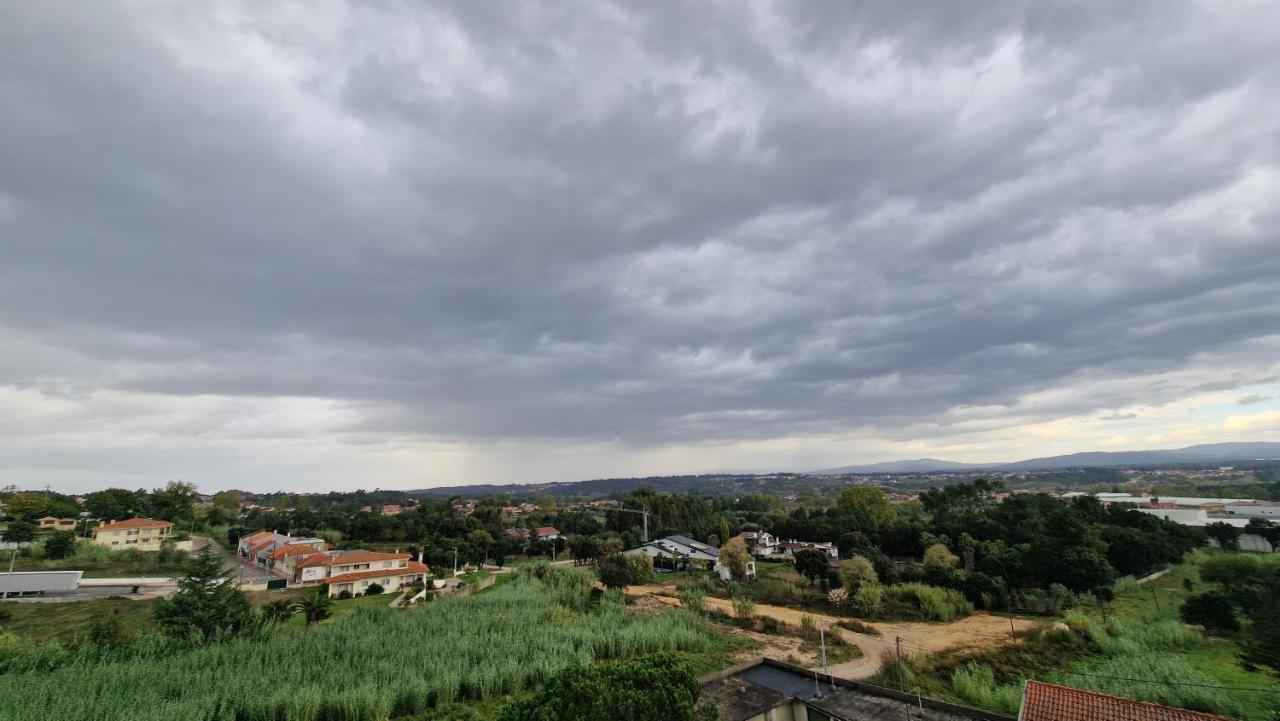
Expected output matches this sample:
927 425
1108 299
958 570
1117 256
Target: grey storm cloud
650 222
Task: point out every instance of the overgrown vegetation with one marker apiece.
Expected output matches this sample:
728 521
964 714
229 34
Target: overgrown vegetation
1141 650
98 561
489 645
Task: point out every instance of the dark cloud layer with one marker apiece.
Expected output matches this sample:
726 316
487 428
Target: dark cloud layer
656 223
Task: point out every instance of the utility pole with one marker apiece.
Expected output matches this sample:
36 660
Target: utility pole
898 643
455 560
822 639
644 538
1153 596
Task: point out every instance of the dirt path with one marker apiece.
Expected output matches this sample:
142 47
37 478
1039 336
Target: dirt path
978 630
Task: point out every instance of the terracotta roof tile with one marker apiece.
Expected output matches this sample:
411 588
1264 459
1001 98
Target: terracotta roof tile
412 568
1050 702
133 523
293 550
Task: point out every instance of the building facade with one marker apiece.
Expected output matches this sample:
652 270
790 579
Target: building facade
143 534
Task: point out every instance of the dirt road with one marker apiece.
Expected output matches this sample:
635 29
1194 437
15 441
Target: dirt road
977 630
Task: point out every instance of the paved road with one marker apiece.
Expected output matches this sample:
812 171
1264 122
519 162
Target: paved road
237 568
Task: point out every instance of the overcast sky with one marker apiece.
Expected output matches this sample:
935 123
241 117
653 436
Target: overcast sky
337 245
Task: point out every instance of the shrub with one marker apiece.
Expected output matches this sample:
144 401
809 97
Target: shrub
935 604
344 595
868 601
838 597
59 545
939 556
857 571
778 593
743 607
694 599
657 688
374 589
1211 609
976 685
639 569
857 626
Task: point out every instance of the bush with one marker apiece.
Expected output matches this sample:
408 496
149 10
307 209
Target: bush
976 685
656 688
1211 609
868 601
344 595
694 599
778 593
744 608
857 571
935 604
374 589
838 597
59 545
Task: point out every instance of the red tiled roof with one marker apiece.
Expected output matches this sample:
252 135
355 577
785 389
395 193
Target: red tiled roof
379 573
292 550
547 529
1050 702
133 523
328 559
261 546
369 557
320 559
255 537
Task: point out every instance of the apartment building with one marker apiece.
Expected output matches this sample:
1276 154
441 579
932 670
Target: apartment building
144 534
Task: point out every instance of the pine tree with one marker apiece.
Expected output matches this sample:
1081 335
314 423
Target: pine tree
206 605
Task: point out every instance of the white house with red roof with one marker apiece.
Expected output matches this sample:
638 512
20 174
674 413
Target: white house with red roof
355 571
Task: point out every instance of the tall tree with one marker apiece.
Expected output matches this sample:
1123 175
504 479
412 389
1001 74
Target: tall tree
1225 535
812 564
735 557
20 532
26 505
206 604
865 509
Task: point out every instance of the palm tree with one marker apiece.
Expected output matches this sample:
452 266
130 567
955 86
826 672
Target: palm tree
315 606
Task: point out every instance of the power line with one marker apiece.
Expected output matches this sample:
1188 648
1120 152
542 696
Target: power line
1169 683
1257 689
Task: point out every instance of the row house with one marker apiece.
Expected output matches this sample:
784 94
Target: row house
259 547
355 571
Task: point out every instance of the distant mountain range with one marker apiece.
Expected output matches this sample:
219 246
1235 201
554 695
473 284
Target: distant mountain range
1207 453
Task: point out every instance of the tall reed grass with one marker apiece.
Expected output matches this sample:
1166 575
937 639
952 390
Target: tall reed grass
369 666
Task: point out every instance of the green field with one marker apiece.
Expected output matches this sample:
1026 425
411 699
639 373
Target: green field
68 621
388 662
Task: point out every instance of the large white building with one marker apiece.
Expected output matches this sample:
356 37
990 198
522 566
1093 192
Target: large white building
682 547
